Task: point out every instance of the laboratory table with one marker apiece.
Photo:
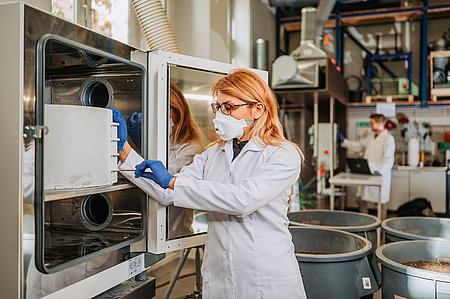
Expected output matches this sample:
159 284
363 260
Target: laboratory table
352 179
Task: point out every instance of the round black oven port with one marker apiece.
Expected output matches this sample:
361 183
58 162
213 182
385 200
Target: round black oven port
96 92
96 211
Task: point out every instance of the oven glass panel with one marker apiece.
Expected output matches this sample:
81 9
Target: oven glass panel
84 208
191 130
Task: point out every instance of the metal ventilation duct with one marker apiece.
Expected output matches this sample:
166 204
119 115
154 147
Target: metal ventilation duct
301 69
308 49
308 24
323 12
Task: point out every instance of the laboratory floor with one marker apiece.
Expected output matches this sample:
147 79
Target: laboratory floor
163 272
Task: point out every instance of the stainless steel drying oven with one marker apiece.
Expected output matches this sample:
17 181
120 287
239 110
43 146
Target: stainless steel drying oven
78 242
58 236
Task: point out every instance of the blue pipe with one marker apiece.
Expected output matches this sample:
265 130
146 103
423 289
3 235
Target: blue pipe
371 13
338 33
434 7
399 104
401 56
278 35
410 73
447 192
369 75
424 55
286 42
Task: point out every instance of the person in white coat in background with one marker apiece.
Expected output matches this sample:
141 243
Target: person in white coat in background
243 181
379 150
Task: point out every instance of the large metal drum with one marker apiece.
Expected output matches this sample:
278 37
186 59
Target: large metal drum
416 228
401 281
335 263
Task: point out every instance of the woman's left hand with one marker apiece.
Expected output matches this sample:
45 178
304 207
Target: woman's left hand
159 173
121 129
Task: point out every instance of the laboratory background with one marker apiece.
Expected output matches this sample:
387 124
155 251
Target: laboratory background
362 88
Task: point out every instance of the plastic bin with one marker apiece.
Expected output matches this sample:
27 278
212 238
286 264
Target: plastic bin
357 223
400 281
416 228
335 263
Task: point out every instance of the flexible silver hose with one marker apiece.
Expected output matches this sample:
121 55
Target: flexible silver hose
153 21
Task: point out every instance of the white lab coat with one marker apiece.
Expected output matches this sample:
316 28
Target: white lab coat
249 251
180 219
379 153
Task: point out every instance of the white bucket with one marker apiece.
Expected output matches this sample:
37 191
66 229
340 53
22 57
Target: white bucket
80 149
413 152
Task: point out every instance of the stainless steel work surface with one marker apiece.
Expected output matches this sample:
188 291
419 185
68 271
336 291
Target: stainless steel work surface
351 179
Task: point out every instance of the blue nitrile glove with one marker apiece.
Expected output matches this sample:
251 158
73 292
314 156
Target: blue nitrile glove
134 127
121 129
340 138
159 173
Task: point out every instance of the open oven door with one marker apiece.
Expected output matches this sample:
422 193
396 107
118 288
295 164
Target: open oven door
83 208
178 82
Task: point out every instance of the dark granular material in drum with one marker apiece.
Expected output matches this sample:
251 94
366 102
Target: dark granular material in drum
441 267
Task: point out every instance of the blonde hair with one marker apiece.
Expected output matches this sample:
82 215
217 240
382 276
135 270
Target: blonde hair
185 129
249 87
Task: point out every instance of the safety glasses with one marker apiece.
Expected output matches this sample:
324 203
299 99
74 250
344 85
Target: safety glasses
226 108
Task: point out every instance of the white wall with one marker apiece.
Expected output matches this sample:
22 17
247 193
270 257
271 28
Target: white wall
200 27
264 26
222 30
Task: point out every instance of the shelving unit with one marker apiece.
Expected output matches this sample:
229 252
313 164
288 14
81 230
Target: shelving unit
416 104
436 92
389 98
375 16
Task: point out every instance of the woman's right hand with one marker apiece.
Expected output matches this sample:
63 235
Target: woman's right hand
158 174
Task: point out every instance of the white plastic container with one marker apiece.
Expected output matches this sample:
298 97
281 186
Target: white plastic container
80 149
413 152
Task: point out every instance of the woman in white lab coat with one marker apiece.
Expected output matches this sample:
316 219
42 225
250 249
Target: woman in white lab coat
243 182
379 150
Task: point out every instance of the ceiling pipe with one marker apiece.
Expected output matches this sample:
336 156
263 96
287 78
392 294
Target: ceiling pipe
323 12
154 23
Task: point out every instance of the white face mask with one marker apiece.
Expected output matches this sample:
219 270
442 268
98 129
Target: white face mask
229 127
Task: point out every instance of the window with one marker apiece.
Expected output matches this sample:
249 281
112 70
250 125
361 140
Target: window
107 17
110 17
63 9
